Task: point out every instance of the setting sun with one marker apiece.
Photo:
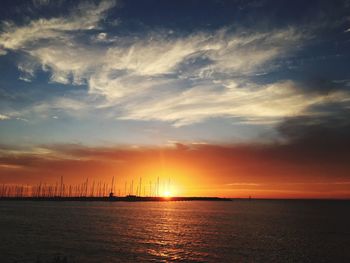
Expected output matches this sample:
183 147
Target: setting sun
167 194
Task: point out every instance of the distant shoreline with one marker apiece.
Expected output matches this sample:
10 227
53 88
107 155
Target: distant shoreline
158 199
116 199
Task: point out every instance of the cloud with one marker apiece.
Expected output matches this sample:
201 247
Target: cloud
85 17
27 69
243 184
246 102
218 52
68 65
326 134
76 107
177 78
4 117
45 109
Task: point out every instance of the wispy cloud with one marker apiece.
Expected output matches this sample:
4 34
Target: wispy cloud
243 184
85 17
251 103
4 117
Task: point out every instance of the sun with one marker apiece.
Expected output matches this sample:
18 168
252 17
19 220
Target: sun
167 194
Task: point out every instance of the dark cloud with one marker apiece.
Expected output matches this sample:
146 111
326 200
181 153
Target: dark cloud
322 85
323 135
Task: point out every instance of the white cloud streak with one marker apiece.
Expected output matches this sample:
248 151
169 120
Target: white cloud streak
249 104
85 17
4 117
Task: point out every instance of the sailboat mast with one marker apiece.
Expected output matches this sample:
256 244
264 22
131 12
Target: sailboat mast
112 185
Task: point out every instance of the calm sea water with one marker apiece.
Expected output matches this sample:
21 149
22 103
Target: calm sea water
238 231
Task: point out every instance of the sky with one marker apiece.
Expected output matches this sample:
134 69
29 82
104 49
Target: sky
226 98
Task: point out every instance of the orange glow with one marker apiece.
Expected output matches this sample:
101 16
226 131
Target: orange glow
200 170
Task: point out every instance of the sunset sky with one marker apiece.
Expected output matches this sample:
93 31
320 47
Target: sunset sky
224 98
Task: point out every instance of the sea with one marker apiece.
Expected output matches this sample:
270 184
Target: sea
198 231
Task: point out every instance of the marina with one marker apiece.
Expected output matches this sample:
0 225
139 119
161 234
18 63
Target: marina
97 191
